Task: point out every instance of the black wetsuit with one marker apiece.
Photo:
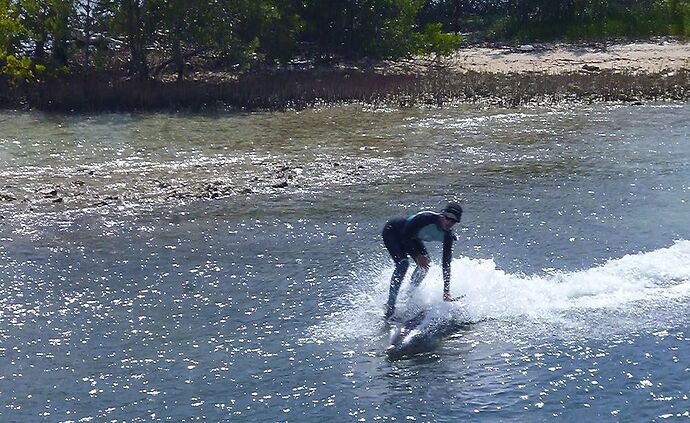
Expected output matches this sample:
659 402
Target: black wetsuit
404 236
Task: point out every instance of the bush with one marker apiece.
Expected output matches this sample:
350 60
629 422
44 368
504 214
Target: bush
19 69
433 40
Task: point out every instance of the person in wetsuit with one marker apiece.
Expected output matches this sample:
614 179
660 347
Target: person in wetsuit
403 237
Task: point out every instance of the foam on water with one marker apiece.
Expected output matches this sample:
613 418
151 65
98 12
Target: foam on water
645 281
653 276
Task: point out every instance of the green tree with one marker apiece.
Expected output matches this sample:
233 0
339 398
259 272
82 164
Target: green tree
47 24
11 29
274 25
91 28
367 28
137 21
14 64
184 25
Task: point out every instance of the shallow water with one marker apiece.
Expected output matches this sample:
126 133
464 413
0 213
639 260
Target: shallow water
229 267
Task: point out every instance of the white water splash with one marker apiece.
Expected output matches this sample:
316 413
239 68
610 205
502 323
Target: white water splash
653 276
655 279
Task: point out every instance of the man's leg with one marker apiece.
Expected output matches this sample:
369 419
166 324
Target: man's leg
396 281
392 242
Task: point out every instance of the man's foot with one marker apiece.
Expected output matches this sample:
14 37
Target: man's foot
452 299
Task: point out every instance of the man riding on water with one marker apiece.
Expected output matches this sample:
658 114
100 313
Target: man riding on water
403 236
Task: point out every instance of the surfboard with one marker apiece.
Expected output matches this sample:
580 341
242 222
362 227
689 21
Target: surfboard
420 332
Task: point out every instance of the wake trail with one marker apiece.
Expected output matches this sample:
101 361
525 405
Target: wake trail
635 286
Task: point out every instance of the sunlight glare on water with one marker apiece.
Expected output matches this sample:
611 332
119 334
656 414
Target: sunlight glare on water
229 267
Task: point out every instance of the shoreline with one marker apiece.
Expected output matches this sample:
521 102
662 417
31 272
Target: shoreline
508 75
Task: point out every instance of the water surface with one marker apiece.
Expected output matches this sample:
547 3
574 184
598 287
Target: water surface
165 267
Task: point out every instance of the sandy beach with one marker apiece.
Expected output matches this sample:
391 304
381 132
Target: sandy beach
650 56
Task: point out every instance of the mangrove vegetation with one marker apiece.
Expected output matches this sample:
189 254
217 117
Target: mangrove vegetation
55 53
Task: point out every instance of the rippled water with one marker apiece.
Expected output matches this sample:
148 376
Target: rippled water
166 267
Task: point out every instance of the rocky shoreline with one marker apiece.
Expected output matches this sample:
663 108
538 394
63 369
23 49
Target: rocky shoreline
108 189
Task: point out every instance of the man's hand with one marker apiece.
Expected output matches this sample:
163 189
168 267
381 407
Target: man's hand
422 261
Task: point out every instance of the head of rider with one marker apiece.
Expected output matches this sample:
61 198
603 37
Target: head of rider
450 215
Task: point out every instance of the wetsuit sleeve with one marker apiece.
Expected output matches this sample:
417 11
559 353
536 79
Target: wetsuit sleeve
447 257
413 245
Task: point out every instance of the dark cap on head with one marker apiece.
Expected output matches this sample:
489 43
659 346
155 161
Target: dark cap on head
452 211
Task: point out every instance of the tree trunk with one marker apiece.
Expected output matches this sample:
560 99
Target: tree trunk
40 50
178 59
88 10
135 39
